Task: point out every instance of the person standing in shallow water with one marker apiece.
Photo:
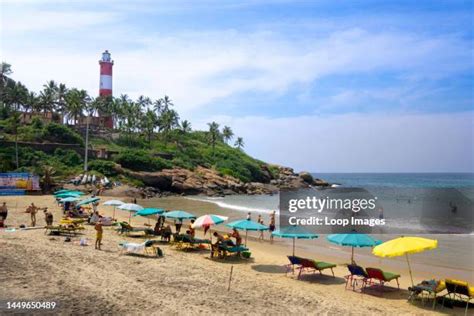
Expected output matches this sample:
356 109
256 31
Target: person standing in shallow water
260 221
249 216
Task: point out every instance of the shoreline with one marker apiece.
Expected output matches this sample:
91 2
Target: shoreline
273 289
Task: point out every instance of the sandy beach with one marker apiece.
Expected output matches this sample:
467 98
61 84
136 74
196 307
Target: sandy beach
84 280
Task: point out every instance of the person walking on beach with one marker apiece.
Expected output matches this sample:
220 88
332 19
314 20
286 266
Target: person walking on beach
178 224
32 209
99 232
272 226
4 211
48 217
249 216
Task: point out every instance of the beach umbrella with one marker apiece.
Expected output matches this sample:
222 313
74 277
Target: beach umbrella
404 246
61 191
88 201
179 215
208 220
113 203
131 207
245 224
149 211
67 194
353 240
294 232
69 199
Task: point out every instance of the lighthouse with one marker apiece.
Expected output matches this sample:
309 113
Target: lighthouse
106 64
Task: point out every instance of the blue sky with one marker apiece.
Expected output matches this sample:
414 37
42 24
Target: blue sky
362 86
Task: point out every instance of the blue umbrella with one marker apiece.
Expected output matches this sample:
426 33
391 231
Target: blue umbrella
354 240
294 232
179 215
245 224
88 201
149 211
61 191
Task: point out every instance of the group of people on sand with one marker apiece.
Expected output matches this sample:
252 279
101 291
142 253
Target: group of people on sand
271 226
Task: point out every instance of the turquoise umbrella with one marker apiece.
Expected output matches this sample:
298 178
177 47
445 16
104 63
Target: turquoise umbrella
88 201
294 232
247 225
59 194
179 215
65 195
69 199
149 211
354 240
61 191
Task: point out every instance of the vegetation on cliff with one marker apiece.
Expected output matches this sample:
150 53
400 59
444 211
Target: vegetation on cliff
147 135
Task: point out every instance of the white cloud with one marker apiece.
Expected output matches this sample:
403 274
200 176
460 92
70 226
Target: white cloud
361 143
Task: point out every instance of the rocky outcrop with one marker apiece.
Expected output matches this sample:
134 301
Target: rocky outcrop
212 183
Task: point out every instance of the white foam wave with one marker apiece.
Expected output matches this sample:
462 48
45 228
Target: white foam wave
219 202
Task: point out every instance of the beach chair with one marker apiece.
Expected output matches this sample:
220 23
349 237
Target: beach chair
320 266
431 288
225 249
294 262
188 242
382 276
459 290
357 273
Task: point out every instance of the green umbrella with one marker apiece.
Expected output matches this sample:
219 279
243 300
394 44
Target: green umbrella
353 240
247 225
88 201
179 215
294 232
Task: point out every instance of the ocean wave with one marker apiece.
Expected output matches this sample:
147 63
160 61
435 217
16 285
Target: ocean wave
220 202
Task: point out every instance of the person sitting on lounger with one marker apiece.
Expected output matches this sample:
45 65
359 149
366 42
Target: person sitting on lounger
191 229
166 233
220 240
235 234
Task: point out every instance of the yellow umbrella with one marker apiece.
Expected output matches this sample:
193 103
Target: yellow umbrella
404 246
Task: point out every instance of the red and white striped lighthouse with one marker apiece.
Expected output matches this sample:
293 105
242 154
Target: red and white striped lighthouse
106 64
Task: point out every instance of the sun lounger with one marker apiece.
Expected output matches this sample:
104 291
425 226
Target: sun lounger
224 250
125 228
459 290
357 273
382 276
312 265
72 229
188 242
294 262
431 288
146 247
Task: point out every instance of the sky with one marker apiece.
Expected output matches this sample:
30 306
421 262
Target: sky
322 86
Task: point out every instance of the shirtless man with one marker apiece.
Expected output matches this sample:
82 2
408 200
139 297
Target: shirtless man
32 209
99 233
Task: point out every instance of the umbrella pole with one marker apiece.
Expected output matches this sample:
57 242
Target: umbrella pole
246 232
129 216
409 269
352 256
294 246
113 216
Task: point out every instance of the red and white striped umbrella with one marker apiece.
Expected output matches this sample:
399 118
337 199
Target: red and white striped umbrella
208 220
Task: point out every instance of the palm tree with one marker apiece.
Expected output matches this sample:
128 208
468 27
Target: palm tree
61 101
214 134
15 95
76 102
5 71
239 143
167 103
185 126
158 106
227 133
47 178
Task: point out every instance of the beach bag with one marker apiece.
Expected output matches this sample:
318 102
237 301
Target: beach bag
83 242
